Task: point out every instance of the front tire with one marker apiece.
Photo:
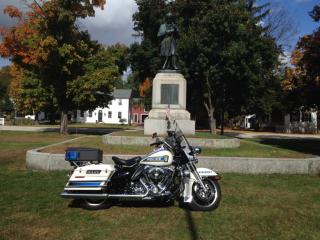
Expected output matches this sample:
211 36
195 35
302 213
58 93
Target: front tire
205 201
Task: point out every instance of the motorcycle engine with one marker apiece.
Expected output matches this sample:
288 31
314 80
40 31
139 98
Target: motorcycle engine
158 179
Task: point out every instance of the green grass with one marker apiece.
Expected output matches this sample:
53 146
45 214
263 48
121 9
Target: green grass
246 149
252 206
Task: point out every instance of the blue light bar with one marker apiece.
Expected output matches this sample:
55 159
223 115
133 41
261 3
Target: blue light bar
72 155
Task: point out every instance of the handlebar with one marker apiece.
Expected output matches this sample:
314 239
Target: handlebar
156 143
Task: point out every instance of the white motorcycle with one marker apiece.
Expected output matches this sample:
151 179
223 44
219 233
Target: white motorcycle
167 173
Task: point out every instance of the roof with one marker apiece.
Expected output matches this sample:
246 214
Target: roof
122 93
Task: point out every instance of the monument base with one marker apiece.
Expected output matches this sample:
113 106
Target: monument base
169 94
160 126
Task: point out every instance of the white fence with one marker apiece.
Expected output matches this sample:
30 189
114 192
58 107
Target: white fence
2 121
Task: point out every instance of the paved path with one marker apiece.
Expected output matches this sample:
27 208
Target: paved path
247 134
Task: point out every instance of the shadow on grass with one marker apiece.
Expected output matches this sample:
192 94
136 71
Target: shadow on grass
85 131
193 231
306 146
128 204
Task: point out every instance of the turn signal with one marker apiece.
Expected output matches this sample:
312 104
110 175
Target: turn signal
217 177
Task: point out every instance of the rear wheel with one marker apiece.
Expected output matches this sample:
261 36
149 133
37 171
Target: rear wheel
205 200
92 204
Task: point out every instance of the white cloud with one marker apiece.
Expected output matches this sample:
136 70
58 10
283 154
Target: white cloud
113 24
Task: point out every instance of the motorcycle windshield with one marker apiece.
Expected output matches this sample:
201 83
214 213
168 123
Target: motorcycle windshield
174 126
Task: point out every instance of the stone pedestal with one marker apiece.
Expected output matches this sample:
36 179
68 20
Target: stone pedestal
169 91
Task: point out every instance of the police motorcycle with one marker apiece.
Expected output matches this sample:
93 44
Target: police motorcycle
167 173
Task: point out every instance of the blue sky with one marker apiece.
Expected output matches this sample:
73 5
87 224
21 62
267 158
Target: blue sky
299 11
115 24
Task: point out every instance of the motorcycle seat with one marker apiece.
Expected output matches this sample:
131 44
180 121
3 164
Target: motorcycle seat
126 163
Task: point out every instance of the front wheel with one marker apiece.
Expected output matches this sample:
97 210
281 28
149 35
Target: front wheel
205 200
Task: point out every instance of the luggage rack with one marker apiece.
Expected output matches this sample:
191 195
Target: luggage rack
81 156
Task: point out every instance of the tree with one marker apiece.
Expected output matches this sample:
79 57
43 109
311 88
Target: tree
6 105
302 82
29 95
102 73
48 43
233 58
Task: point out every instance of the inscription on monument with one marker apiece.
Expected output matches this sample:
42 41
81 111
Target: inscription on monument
169 94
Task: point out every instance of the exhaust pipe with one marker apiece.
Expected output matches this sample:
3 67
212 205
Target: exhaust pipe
84 195
100 196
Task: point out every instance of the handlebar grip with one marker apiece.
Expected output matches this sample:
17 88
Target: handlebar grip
156 143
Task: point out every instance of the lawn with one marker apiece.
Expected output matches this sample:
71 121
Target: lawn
246 149
252 207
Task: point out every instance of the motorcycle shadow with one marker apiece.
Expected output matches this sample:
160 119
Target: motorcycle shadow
127 204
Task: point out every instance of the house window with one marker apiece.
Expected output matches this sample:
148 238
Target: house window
119 115
75 114
90 113
120 102
81 113
136 118
109 114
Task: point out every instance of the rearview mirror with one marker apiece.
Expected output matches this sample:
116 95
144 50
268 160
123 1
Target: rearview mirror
197 150
155 135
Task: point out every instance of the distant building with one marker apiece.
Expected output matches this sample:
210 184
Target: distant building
138 112
301 121
117 112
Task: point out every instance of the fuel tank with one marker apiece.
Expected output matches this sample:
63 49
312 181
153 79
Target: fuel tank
159 157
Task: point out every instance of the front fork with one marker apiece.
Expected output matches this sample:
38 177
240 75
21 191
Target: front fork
189 181
192 168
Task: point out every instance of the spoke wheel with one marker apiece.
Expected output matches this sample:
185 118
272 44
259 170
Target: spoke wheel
206 200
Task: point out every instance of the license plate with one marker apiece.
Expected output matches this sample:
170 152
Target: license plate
93 171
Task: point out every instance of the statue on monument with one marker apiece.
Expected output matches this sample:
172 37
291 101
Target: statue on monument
168 31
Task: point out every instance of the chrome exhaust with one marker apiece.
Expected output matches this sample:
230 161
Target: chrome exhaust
100 196
84 195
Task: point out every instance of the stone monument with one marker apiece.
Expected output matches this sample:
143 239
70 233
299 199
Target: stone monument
169 91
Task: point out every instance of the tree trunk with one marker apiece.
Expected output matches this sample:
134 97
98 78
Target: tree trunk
210 108
52 118
222 122
213 126
64 122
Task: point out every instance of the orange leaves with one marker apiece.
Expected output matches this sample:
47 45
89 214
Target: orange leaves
20 42
144 87
296 56
13 12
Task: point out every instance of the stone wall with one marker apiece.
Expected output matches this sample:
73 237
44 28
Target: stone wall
145 141
49 162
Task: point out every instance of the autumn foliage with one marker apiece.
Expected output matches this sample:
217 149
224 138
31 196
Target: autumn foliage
47 45
302 80
145 87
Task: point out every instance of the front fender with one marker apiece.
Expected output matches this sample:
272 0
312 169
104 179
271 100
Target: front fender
188 182
206 172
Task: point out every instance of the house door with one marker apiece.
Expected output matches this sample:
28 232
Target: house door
100 116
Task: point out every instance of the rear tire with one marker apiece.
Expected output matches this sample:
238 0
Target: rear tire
91 204
202 201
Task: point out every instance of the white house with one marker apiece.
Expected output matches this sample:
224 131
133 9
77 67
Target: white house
118 109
